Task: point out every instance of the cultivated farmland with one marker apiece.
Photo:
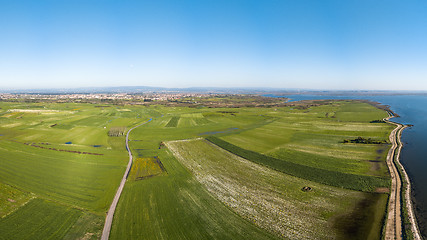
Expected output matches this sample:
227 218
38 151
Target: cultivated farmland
262 179
146 167
63 158
259 194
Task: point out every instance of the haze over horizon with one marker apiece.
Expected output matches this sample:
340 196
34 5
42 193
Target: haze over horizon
336 45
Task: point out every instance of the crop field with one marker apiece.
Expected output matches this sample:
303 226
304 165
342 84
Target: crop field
314 140
76 179
146 167
173 122
67 159
60 153
333 178
258 194
176 206
40 219
11 199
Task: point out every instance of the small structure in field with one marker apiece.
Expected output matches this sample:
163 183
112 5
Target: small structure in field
116 131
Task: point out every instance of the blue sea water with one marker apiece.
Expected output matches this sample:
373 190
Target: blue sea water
412 110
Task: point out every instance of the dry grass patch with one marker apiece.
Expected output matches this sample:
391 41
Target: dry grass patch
146 167
11 199
270 199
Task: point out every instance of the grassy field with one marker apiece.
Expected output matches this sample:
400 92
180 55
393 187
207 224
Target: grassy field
80 180
272 200
11 199
38 219
268 129
173 122
176 206
60 153
145 168
59 158
41 219
320 175
314 137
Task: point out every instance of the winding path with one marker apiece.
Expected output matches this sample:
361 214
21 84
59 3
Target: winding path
393 229
110 214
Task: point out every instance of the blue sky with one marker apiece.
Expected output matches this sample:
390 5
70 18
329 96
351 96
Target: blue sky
267 43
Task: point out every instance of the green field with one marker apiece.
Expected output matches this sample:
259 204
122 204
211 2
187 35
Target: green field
40 219
11 199
176 206
316 174
60 153
67 159
145 168
173 122
260 195
313 137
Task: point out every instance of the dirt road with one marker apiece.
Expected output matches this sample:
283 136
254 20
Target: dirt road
110 214
393 228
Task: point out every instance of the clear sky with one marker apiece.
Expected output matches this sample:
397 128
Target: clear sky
318 44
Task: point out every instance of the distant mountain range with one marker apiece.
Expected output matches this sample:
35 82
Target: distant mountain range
205 90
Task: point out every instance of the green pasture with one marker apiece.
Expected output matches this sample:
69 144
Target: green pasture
81 180
314 137
41 219
328 177
76 181
11 199
175 204
274 201
173 122
38 219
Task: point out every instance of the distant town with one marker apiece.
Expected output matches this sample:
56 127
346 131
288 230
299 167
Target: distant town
169 99
103 96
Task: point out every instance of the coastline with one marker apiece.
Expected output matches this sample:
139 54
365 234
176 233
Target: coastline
407 190
395 220
416 164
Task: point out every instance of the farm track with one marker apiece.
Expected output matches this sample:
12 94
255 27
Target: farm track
110 214
393 228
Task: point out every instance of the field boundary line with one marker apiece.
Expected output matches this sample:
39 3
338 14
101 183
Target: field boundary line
110 214
23 204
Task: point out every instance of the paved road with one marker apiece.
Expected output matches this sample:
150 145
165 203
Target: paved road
110 214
